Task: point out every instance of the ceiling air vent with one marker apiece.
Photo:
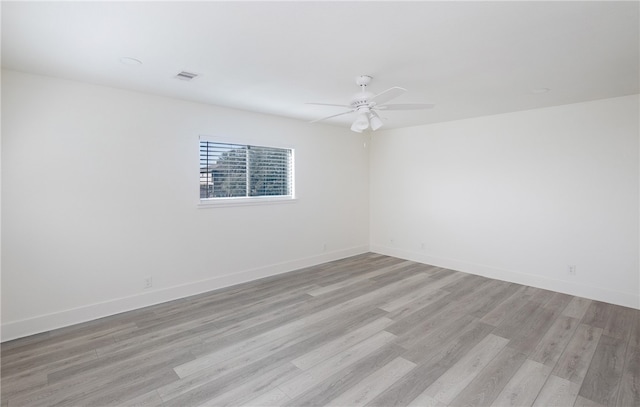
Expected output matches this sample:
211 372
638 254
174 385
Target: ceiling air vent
186 76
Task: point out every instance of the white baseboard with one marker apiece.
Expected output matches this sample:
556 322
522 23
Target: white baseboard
43 323
595 293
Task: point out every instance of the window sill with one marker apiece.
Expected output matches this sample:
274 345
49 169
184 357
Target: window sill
226 202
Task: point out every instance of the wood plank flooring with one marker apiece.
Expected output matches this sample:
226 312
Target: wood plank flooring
369 330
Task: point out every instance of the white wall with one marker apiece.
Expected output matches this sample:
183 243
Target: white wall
100 190
518 196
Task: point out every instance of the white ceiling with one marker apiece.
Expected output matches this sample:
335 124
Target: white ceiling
470 58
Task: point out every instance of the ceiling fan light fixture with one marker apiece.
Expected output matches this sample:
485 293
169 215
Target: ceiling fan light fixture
375 121
361 123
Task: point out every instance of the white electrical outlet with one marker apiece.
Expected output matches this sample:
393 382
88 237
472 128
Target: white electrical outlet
572 270
148 282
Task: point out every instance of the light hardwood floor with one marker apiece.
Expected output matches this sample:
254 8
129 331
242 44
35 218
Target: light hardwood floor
368 330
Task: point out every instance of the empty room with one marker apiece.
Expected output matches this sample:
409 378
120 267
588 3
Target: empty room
318 203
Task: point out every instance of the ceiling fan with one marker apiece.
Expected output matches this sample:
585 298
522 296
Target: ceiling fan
366 105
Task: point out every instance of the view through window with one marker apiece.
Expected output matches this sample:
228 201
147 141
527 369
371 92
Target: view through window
238 170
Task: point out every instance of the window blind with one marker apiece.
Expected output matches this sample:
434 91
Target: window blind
238 170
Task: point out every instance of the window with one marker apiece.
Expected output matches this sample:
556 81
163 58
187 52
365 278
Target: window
244 171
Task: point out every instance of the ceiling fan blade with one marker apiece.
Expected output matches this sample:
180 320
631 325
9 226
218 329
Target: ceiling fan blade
329 117
327 104
408 106
387 95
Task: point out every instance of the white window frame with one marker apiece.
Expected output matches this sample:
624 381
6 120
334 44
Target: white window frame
249 200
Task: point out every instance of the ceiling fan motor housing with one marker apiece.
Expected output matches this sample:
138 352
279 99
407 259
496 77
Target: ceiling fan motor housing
361 99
